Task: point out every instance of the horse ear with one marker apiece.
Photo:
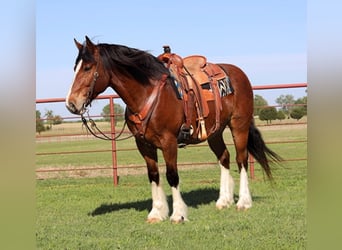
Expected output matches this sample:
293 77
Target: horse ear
78 45
89 44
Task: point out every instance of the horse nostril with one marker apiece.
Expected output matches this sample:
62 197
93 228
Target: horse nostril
71 107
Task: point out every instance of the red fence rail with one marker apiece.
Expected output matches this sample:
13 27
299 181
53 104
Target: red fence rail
114 150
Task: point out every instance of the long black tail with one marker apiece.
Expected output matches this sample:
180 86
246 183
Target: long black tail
257 147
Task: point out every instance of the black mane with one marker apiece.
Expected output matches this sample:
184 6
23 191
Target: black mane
132 62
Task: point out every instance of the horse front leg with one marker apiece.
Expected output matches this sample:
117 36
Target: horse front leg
160 208
180 209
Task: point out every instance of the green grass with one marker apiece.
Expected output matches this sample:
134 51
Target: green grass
91 214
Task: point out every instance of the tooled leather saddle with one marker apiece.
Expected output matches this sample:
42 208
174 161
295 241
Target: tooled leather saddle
197 82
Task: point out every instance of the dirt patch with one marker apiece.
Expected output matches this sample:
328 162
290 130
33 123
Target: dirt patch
283 126
103 171
86 172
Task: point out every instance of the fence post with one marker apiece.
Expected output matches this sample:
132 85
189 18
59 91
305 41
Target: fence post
112 129
251 166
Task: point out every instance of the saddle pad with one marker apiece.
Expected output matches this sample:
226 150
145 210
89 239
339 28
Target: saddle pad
224 86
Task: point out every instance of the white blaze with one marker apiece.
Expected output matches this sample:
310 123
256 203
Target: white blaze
78 67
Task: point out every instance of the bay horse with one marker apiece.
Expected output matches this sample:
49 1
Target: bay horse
140 78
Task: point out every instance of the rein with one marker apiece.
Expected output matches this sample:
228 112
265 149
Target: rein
103 135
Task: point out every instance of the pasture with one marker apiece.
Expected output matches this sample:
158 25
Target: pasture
89 213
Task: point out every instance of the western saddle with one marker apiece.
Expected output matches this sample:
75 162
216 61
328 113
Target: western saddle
197 82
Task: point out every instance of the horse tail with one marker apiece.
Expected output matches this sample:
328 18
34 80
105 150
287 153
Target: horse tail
257 147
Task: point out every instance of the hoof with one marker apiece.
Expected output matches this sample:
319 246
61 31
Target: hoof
244 204
242 208
221 204
153 220
220 207
179 220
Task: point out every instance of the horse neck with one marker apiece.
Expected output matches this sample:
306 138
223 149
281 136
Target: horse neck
133 93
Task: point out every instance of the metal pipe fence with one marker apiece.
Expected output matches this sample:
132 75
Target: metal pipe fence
112 132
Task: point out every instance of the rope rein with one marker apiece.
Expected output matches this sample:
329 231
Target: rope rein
93 127
103 136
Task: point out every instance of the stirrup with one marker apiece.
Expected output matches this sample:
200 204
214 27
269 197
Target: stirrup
184 135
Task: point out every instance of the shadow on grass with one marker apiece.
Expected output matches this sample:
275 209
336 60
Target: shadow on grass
193 199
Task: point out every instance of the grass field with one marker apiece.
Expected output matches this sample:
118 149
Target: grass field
89 213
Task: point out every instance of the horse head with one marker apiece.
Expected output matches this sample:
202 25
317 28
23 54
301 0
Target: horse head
90 78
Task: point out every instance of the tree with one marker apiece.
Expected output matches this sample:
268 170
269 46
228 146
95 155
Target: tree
118 112
57 119
268 114
52 119
259 103
280 115
49 117
286 102
39 123
303 103
297 112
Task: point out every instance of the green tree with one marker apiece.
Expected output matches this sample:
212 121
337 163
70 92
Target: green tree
49 118
52 119
57 119
118 112
259 103
297 112
39 123
286 102
302 103
280 115
268 114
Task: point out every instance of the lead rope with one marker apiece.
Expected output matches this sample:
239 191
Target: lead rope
104 136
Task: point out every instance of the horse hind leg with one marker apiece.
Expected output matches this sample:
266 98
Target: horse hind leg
245 198
160 209
226 196
240 137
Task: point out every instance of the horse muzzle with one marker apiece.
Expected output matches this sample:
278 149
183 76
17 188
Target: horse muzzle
76 109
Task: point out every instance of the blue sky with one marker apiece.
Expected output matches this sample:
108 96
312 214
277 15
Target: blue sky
267 39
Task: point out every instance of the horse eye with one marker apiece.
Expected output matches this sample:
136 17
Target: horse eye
87 67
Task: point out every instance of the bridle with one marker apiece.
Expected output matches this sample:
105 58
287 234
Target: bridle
140 119
85 122
91 89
